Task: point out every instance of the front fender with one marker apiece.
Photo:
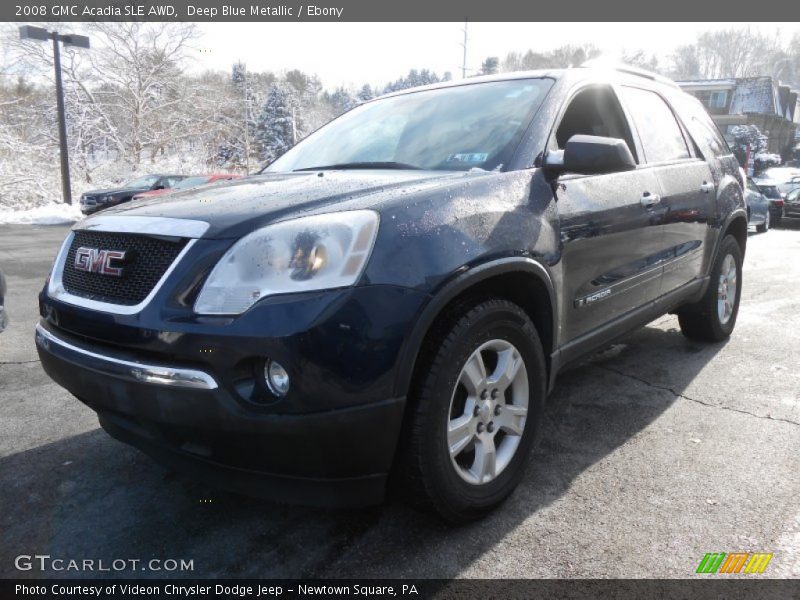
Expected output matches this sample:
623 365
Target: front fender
455 287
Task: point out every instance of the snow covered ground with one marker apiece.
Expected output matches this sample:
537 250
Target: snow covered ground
46 214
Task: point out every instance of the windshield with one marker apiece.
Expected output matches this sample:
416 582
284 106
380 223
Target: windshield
453 128
190 182
142 182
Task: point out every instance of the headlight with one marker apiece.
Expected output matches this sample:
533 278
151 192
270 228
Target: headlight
310 253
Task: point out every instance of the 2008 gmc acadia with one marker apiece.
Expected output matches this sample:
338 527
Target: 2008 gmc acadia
395 295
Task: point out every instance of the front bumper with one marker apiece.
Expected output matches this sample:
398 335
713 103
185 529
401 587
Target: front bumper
182 418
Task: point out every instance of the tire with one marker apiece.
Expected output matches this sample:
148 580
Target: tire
712 319
764 227
442 469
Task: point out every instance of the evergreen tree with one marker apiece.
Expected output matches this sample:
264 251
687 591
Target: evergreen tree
365 93
239 76
274 127
413 79
490 66
340 100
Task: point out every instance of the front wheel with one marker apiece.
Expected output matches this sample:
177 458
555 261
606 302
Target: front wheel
713 318
476 411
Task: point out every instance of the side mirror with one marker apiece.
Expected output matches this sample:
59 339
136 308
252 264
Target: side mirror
159 187
591 155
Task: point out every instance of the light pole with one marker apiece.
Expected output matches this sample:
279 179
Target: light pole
464 59
27 32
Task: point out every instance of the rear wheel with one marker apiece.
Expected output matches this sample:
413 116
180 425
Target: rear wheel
475 413
713 318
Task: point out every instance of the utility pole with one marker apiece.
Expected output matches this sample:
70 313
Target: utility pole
66 188
246 124
464 59
28 32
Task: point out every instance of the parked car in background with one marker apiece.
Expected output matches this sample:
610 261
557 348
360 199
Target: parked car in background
785 178
757 207
95 200
771 192
188 183
3 314
791 208
398 291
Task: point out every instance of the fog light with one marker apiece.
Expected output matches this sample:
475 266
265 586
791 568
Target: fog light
276 377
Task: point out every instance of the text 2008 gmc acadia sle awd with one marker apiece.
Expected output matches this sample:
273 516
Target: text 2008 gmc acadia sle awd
392 299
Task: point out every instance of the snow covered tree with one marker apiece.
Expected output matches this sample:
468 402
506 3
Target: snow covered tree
557 58
414 78
274 127
341 100
641 60
365 93
490 66
747 138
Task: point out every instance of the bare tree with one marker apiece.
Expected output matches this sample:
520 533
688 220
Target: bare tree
140 66
727 53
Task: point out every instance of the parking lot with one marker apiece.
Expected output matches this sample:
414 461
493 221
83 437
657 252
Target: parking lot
654 452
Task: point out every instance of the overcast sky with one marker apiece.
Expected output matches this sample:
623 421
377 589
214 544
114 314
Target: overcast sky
353 53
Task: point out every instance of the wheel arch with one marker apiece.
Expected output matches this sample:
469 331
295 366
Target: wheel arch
521 280
736 225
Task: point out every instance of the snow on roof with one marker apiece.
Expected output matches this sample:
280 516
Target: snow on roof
706 82
754 95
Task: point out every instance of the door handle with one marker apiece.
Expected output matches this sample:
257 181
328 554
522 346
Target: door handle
707 187
647 200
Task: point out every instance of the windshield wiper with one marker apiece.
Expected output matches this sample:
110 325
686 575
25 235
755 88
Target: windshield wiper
362 165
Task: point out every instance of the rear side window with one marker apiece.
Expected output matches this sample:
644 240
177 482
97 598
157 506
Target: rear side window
700 124
770 191
660 133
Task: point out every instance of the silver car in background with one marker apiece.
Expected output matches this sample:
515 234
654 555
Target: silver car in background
758 207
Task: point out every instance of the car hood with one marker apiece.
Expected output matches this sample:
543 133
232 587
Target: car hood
235 208
114 191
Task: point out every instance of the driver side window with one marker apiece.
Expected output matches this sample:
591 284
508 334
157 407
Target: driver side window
595 111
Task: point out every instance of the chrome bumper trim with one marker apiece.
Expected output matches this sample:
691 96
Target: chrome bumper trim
125 369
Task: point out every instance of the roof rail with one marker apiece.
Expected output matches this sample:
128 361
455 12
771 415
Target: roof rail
630 70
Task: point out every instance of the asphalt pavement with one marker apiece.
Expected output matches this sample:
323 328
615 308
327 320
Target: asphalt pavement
654 452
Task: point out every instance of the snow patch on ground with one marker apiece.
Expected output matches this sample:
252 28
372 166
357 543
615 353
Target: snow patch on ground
47 214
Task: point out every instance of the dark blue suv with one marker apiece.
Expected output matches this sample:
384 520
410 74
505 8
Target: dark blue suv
394 296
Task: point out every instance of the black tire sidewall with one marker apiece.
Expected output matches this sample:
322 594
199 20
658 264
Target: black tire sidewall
731 247
446 488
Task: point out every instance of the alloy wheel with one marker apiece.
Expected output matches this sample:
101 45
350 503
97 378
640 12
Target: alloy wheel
727 288
488 410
